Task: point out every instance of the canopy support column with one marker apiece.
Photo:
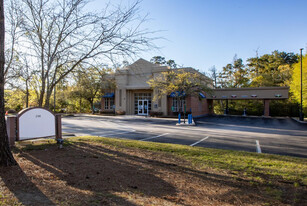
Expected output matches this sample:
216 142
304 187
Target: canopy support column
266 103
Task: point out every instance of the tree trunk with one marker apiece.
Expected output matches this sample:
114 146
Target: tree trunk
27 98
42 93
6 157
47 100
92 105
27 94
80 102
41 98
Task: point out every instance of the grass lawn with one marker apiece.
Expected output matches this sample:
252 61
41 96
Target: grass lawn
105 171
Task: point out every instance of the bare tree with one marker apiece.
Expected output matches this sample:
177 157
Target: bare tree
213 75
60 35
13 33
21 76
6 157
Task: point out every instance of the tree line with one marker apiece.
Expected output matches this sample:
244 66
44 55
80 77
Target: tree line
83 88
277 69
268 70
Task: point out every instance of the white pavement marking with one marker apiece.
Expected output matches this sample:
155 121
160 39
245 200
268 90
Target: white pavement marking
154 137
258 146
107 134
199 141
115 133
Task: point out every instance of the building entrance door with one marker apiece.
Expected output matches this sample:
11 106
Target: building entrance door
143 107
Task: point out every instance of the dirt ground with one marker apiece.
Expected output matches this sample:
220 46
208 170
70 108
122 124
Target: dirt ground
95 174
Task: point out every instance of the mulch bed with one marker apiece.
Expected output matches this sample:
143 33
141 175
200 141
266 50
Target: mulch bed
96 174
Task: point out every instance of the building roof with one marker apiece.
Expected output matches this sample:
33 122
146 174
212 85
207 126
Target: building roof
142 62
143 66
138 73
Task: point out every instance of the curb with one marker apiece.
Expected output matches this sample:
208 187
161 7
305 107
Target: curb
186 124
301 122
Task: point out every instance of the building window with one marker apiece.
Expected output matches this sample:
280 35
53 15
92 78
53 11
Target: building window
108 103
178 104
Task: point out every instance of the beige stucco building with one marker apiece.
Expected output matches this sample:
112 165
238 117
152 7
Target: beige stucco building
133 95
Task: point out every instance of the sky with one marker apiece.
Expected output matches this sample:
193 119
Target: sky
206 33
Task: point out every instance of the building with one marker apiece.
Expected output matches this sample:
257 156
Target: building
133 95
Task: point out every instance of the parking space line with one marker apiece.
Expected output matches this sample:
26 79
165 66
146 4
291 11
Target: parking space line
199 141
154 137
116 133
258 146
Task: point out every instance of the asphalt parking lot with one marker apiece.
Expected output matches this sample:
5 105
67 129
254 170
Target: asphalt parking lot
282 136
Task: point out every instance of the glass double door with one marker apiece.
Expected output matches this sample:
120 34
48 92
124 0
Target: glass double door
142 107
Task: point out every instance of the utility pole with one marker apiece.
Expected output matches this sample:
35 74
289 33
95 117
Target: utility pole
301 110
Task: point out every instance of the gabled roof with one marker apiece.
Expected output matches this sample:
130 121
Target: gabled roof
143 66
143 63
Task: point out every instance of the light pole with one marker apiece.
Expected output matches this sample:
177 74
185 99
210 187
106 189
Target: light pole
301 112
